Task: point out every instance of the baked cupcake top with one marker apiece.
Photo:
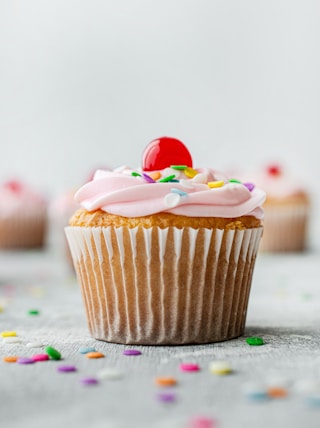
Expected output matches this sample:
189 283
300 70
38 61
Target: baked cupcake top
16 196
167 182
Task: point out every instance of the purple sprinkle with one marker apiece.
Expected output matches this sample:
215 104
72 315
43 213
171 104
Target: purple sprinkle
89 381
166 397
66 369
131 352
148 178
249 186
25 360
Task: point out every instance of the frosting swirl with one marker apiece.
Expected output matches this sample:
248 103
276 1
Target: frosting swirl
188 192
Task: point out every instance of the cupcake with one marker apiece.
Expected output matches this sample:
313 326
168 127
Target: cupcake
287 208
23 216
165 253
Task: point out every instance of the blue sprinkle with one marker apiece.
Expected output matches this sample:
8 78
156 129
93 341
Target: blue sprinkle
178 191
86 350
314 400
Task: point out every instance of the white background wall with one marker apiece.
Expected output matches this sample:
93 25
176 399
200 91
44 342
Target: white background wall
85 83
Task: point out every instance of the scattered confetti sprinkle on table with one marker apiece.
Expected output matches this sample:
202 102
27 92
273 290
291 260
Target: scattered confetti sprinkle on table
46 348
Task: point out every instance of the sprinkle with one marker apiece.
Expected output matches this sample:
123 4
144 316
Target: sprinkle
277 392
171 200
25 360
215 184
179 167
189 367
1 308
133 352
233 180
135 174
254 341
11 339
88 381
10 359
201 422
200 178
249 186
178 191
314 400
87 350
95 355
33 312
40 357
165 381
34 345
109 373
255 392
66 369
53 353
190 172
155 175
8 333
168 178
166 397
220 367
147 178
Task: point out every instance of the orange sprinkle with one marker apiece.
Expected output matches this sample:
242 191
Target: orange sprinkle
155 175
94 355
277 392
10 359
165 381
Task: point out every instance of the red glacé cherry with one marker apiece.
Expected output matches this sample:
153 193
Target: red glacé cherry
164 152
274 170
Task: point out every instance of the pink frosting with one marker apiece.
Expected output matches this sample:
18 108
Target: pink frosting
16 196
118 192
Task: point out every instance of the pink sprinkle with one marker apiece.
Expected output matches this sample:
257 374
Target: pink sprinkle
189 367
66 369
202 422
89 381
25 360
131 352
40 357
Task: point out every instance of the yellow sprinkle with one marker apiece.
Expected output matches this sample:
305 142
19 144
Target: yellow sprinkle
155 175
1 309
8 334
190 172
213 184
220 367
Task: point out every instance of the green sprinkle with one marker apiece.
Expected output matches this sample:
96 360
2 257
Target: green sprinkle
233 180
179 167
53 353
166 179
33 312
255 341
135 174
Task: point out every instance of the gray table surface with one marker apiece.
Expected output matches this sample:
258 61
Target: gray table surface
284 309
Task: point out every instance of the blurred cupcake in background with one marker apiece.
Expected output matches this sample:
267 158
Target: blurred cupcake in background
23 216
287 209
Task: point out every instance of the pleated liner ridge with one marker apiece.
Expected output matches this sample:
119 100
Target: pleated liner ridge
164 286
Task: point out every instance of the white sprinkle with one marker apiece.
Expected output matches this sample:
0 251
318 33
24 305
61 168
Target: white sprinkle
200 178
171 200
11 340
109 373
220 367
34 345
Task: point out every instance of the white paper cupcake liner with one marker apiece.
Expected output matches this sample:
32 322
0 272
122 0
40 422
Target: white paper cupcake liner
285 228
23 230
164 286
